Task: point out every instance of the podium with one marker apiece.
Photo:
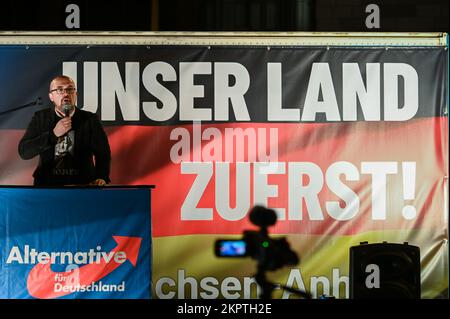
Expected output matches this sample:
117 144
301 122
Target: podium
75 242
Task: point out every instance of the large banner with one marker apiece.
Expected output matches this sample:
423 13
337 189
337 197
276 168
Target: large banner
75 243
347 144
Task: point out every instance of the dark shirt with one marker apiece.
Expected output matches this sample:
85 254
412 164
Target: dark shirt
76 167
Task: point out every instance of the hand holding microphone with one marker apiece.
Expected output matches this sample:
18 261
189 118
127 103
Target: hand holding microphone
65 124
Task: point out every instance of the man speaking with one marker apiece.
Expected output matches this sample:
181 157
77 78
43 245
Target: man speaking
67 141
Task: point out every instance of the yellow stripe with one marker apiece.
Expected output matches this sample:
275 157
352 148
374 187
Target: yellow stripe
319 255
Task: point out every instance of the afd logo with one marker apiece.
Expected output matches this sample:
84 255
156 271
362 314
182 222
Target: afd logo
43 282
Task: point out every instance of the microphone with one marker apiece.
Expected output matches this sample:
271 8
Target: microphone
67 108
263 217
38 101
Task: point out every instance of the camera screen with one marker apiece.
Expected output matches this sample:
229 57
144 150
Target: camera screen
231 248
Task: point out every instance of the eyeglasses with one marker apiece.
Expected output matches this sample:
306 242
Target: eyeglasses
61 91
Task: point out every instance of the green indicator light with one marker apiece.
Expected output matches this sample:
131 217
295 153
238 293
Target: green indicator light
265 244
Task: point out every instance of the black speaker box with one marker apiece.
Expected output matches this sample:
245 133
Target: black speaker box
399 271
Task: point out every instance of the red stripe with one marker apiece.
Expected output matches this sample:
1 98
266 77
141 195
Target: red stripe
141 156
145 159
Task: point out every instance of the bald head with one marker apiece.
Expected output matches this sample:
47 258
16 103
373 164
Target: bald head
62 91
60 78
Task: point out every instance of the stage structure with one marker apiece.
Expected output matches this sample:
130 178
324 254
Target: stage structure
345 135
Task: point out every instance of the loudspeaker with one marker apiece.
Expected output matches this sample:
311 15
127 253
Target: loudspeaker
384 271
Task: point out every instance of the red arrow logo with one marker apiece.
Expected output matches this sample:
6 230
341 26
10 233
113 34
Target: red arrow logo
42 280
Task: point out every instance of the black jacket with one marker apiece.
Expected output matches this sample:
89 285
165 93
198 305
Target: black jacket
90 140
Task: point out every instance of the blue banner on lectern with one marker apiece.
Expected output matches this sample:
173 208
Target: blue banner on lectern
75 243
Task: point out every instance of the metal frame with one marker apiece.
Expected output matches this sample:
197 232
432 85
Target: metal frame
224 38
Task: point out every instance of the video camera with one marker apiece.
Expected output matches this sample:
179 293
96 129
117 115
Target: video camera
270 253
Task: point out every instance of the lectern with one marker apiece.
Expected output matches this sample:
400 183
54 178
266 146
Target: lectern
75 242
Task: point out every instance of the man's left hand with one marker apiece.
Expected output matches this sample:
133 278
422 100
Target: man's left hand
98 182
